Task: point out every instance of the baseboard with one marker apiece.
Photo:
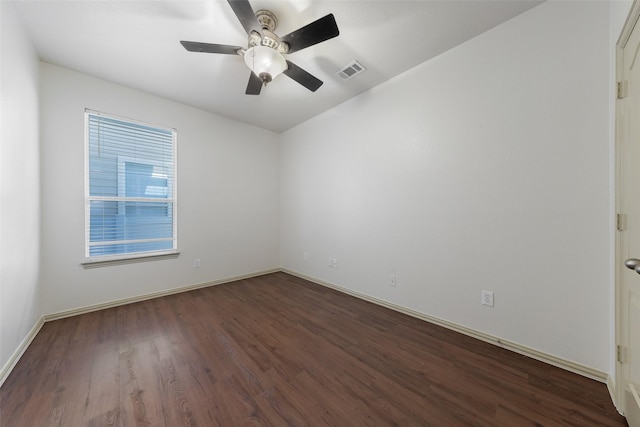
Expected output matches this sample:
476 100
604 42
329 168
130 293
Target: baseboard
117 303
611 386
559 362
15 357
518 348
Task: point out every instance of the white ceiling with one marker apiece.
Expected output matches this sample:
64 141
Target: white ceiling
136 44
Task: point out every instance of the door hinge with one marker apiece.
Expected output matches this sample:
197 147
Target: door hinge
622 89
621 222
621 354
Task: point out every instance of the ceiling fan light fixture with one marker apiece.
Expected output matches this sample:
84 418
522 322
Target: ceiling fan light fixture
264 54
265 62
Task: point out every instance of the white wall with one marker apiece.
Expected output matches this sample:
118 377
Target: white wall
484 168
228 195
19 186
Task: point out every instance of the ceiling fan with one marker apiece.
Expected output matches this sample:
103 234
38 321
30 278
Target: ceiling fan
265 52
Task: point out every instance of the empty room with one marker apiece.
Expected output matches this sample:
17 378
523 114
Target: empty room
293 212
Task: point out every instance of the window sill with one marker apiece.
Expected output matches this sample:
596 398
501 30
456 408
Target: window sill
105 262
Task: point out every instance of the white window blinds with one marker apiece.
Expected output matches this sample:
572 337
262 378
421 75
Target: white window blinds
130 188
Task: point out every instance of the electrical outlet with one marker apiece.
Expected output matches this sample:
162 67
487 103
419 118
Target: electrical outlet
305 256
392 281
487 298
335 263
196 263
330 262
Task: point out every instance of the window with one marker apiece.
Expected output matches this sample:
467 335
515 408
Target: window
130 188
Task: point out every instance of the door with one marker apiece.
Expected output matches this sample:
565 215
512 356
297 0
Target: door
628 205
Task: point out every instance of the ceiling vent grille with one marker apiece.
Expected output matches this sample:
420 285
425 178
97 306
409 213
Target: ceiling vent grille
351 70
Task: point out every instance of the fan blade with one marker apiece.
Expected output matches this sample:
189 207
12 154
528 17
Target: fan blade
254 86
314 33
210 47
301 76
246 15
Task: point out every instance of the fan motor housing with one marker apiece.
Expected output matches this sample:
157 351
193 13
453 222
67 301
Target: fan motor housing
268 38
267 20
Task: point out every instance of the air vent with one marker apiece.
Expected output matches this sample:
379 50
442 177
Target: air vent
351 70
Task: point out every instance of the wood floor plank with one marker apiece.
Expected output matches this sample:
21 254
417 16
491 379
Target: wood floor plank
277 350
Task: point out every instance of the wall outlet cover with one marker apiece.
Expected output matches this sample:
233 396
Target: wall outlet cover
487 298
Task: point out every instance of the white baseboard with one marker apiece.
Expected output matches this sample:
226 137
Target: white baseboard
559 362
22 347
518 348
15 357
611 386
117 303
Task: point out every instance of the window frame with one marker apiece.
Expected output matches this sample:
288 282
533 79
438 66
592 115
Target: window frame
171 188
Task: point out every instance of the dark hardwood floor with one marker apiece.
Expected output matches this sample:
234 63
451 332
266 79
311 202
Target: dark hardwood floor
277 350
